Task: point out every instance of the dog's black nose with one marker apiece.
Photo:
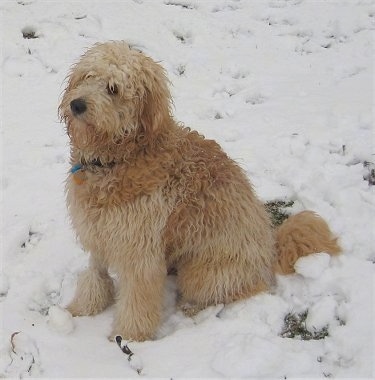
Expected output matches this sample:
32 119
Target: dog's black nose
78 106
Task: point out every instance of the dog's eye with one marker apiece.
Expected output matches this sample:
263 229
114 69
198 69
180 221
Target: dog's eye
112 89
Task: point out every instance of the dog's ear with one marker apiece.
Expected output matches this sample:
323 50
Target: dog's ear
155 110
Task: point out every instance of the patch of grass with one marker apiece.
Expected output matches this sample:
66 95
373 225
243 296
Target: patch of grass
28 32
276 210
295 327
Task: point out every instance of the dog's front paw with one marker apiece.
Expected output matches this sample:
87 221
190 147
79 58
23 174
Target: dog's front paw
75 310
95 291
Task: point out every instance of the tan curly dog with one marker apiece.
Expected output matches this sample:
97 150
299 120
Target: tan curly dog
146 195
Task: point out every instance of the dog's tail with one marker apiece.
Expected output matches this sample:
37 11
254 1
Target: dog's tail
301 235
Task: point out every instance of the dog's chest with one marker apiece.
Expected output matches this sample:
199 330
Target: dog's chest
112 229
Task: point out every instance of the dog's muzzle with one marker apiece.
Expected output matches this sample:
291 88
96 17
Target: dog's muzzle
78 106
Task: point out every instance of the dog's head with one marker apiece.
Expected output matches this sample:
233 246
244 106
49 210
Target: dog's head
114 94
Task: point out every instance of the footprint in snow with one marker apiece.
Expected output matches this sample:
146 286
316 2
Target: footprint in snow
255 99
32 240
240 74
24 355
225 8
4 286
180 69
184 38
45 295
88 26
225 92
182 4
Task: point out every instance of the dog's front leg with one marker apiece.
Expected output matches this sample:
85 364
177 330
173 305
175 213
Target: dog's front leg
140 298
95 290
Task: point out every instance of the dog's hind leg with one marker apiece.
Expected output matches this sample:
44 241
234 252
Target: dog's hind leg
214 283
95 291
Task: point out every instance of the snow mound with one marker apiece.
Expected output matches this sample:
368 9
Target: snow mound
312 266
60 320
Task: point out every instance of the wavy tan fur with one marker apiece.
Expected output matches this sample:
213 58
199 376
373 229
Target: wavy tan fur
161 197
301 235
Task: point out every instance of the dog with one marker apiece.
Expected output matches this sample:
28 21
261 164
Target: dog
147 195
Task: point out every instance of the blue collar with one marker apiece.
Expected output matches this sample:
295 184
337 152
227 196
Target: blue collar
75 168
81 166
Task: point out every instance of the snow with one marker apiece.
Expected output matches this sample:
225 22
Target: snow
313 265
286 87
24 354
60 320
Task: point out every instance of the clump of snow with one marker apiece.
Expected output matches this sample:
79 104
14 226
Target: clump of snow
312 266
60 320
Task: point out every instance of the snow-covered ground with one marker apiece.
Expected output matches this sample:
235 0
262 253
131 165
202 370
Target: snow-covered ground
286 87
